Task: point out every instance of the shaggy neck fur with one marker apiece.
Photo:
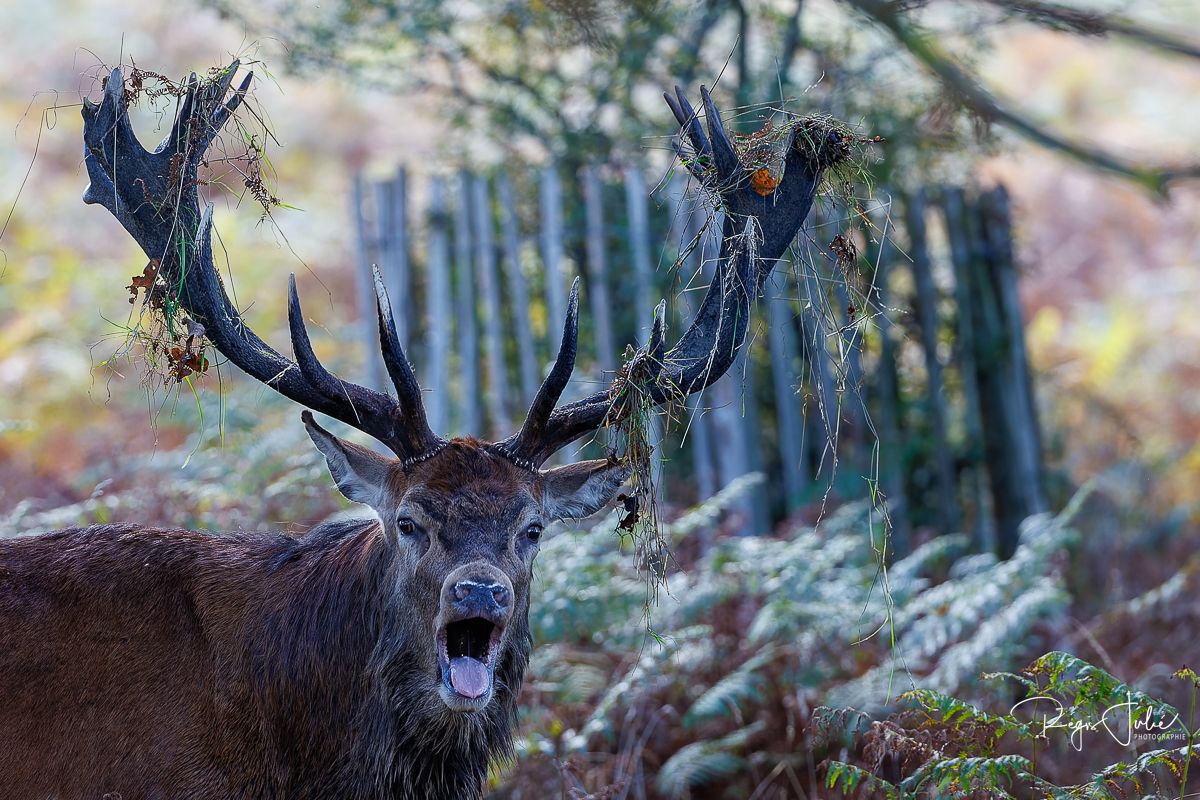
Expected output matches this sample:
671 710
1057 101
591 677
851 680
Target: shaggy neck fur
137 662
343 691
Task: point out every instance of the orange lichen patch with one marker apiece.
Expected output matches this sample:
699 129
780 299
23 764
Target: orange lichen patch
763 182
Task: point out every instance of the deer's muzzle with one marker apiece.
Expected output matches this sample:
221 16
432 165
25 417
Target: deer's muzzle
476 605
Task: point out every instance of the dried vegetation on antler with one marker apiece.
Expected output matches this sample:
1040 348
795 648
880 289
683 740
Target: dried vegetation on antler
191 156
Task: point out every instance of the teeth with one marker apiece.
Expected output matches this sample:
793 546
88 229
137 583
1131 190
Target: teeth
471 638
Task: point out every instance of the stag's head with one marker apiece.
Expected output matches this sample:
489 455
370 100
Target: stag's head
465 523
462 517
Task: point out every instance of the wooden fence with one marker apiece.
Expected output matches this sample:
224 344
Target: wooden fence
901 369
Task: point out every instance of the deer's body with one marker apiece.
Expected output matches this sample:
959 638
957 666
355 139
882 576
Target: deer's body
172 664
361 661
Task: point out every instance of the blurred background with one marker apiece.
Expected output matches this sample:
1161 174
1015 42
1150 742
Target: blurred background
964 434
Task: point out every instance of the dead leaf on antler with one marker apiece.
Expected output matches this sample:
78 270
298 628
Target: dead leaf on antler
632 507
143 281
156 293
183 361
844 250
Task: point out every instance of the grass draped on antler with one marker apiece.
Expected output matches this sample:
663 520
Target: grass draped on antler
174 346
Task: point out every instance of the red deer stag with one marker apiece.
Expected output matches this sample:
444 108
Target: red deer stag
363 660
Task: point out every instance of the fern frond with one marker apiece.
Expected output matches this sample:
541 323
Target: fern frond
849 779
969 774
729 694
906 574
1092 688
955 712
836 725
1107 783
1000 632
703 762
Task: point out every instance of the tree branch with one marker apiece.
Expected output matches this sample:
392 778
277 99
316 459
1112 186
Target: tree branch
976 97
1089 23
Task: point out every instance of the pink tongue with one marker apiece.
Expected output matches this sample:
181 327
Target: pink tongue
469 676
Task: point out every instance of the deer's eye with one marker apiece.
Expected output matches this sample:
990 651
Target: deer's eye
533 532
406 526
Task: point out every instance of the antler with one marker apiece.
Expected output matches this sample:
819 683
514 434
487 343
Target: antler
758 229
154 195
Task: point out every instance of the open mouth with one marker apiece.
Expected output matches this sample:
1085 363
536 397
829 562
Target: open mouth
467 657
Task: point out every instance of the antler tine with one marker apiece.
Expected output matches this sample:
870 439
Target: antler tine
186 110
689 121
226 109
722 147
676 109
414 425
656 347
400 424
113 135
677 138
526 447
203 105
310 366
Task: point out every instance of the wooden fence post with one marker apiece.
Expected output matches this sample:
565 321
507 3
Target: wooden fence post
1022 402
391 225
785 371
959 237
824 424
438 303
748 429
1009 426
696 425
517 289
551 212
889 444
469 416
850 417
496 393
368 328
639 251
552 253
593 199
927 319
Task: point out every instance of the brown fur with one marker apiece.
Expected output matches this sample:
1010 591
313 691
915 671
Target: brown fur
147 663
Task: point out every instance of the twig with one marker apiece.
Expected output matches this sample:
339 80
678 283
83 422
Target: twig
976 97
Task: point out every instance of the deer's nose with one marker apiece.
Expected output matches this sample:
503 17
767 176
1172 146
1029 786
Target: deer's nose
481 596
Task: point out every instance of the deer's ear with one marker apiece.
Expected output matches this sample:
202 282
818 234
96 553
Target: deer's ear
579 490
359 472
